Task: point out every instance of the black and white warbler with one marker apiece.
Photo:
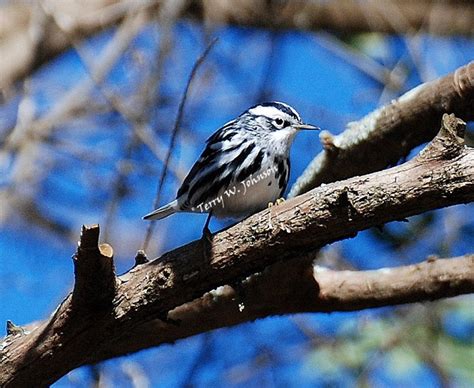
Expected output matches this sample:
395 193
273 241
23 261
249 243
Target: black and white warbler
244 167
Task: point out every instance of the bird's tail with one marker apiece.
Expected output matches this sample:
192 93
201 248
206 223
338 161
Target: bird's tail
163 211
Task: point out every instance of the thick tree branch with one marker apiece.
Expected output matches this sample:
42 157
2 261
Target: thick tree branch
29 38
148 296
396 129
304 287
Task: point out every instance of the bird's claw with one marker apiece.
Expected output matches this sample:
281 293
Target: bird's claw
279 201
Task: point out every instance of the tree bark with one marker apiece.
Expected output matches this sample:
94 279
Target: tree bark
155 295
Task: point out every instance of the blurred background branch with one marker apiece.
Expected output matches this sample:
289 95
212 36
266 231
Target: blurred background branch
29 38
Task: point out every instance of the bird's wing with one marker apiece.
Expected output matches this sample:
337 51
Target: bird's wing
223 158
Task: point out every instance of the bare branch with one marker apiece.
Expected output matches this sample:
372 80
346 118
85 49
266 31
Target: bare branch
145 309
30 40
26 138
394 129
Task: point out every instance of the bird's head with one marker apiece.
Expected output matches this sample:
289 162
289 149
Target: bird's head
279 121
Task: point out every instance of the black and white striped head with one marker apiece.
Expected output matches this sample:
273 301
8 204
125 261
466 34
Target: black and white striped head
275 117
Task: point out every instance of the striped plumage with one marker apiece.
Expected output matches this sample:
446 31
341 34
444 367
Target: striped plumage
244 166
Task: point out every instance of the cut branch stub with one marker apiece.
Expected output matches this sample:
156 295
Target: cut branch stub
449 141
95 282
13 329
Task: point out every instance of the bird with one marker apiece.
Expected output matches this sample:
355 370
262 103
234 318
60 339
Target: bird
244 167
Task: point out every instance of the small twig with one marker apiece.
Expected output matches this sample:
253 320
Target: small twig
358 59
174 134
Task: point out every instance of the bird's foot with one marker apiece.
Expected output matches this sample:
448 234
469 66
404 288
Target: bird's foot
279 201
206 242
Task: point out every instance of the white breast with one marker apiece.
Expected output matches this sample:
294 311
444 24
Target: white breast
250 195
245 197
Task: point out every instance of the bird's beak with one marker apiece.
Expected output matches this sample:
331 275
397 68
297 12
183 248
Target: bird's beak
306 126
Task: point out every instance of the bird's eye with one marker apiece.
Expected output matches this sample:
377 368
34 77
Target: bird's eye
279 122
